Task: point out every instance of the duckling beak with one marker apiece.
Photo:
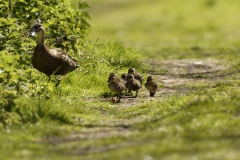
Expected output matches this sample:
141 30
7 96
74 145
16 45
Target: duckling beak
33 33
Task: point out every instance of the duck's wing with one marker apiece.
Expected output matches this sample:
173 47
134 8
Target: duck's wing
61 55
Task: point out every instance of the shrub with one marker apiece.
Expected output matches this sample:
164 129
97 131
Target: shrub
65 26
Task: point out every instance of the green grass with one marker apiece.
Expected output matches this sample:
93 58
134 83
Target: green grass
170 29
199 120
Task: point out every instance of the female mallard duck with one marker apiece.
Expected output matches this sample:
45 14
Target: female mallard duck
50 61
151 85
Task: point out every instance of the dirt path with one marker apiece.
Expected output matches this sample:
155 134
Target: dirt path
177 75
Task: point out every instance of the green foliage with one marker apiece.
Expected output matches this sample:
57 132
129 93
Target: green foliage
65 24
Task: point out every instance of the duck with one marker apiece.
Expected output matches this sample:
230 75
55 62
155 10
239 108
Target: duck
151 85
50 61
116 84
136 75
133 84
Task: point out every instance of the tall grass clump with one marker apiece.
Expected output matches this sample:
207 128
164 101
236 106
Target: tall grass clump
33 111
96 62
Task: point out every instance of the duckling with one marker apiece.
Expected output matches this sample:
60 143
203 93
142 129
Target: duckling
135 74
151 85
50 61
116 85
124 77
133 84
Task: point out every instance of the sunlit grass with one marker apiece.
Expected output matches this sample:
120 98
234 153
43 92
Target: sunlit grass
169 29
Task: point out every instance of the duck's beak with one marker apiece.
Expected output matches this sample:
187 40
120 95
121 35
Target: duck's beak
108 79
33 33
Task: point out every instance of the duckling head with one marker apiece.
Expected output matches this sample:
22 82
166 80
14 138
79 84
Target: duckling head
112 74
112 79
36 28
130 77
150 79
124 76
131 71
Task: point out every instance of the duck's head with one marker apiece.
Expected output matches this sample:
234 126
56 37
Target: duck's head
124 76
112 74
36 28
112 79
130 77
131 71
150 79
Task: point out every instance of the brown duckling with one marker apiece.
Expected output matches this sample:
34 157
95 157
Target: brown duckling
151 85
124 77
133 84
135 74
116 85
50 61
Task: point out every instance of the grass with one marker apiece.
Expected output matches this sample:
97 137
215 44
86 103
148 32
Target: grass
176 27
195 117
